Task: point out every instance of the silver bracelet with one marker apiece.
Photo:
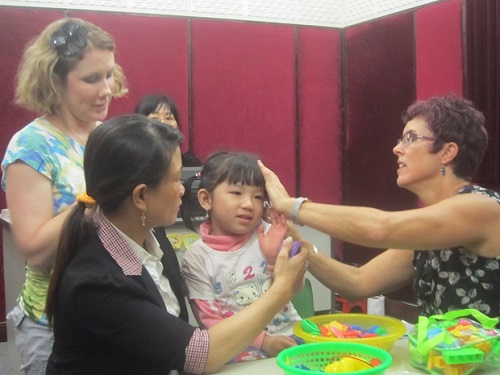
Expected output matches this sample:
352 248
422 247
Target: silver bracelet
294 215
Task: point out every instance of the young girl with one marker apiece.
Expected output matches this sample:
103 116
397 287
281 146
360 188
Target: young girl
227 269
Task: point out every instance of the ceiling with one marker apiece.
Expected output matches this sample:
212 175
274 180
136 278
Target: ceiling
325 13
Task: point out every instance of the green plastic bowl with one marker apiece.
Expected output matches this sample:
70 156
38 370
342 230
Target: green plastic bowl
316 356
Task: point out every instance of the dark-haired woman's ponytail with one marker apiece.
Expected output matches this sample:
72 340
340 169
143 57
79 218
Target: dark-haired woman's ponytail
76 230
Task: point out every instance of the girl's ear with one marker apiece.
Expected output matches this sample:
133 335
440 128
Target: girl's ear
204 199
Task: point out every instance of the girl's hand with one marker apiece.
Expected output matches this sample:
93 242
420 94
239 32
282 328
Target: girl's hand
272 345
271 241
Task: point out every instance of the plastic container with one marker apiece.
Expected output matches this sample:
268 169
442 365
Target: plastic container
462 360
311 359
394 327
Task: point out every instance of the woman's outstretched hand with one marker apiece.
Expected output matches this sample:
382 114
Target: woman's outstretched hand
278 196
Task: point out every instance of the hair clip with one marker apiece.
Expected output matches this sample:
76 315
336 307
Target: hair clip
86 199
70 40
198 175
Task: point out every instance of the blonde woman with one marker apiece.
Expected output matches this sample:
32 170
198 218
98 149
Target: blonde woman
68 75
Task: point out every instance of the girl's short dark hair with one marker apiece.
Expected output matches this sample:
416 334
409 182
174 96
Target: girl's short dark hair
225 166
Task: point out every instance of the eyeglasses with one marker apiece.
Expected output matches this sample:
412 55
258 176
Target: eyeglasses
409 138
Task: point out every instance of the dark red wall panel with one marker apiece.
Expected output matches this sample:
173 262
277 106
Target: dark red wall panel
18 27
243 91
153 52
319 93
439 49
380 84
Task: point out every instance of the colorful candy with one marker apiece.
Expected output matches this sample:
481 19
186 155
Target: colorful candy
336 329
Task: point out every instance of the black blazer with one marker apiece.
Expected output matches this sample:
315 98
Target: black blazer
106 322
172 271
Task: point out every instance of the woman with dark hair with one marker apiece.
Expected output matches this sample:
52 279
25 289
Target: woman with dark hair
159 107
450 248
164 109
112 309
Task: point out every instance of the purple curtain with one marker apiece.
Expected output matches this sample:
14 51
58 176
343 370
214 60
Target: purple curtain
482 39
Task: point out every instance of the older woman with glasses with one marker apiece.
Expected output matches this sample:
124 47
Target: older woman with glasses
164 109
450 248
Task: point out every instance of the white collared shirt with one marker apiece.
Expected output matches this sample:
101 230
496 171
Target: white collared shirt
151 261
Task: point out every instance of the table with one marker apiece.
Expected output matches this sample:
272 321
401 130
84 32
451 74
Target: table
400 365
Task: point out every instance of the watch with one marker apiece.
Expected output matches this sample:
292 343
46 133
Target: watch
294 215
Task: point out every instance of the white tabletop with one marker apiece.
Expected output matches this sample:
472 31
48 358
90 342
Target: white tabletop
400 365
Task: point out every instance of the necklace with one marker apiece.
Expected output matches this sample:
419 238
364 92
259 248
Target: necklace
59 123
77 138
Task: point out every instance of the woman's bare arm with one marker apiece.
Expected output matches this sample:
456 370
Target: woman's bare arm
35 229
385 273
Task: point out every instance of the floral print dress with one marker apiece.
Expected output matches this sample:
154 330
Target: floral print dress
49 151
455 278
